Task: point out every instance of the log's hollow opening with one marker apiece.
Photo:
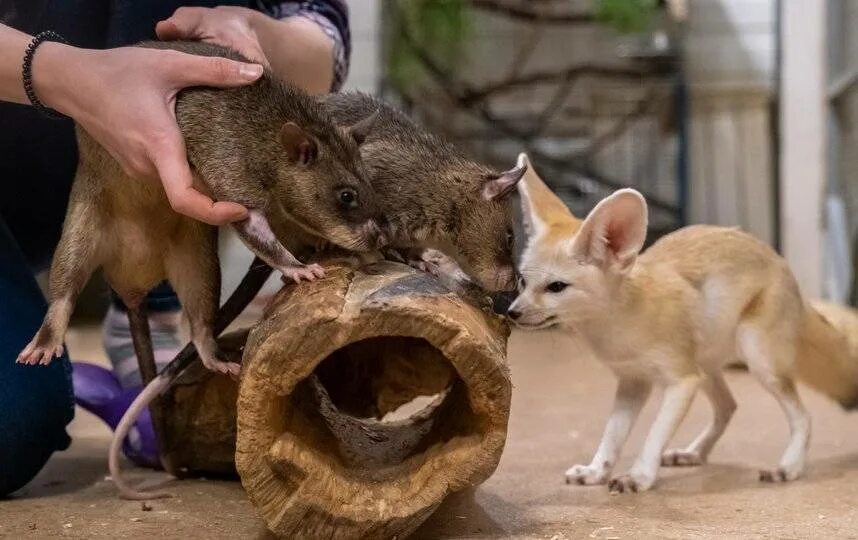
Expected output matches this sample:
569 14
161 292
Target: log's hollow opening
382 401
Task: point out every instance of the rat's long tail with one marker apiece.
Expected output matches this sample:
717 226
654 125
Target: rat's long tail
152 390
246 291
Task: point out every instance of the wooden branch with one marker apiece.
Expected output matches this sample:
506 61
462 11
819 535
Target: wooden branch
518 11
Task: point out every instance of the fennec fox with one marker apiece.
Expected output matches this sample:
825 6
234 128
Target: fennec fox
673 316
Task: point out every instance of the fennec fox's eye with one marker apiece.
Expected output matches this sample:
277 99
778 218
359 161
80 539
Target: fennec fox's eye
521 283
556 286
509 238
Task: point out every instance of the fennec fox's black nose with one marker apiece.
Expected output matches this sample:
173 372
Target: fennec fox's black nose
513 314
502 301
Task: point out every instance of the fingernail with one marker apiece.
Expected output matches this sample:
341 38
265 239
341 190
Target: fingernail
251 71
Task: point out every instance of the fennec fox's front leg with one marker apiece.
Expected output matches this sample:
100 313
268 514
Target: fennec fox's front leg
677 399
257 232
630 399
76 257
193 270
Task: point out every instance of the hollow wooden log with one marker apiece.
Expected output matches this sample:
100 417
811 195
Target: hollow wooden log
365 399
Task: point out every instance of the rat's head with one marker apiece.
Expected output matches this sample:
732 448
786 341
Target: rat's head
483 242
570 270
324 185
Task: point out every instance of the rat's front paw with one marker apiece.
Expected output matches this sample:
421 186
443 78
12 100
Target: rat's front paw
586 475
309 272
425 266
631 483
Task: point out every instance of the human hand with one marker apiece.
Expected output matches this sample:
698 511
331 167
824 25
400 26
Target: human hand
125 98
229 26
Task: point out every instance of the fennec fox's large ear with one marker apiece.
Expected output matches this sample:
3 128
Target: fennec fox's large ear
541 209
497 188
300 147
614 231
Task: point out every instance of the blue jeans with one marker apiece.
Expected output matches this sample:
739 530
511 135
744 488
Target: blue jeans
37 163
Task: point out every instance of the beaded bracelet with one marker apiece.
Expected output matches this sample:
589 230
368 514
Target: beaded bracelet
27 75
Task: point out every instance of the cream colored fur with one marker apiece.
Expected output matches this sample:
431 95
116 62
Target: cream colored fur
673 316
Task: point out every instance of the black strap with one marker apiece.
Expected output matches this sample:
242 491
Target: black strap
27 71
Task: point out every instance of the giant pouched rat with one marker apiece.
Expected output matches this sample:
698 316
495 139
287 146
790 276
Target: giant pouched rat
431 195
267 146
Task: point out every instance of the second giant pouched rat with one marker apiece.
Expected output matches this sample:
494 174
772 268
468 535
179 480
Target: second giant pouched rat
431 195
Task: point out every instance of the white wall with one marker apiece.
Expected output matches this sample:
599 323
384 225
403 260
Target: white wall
731 42
730 63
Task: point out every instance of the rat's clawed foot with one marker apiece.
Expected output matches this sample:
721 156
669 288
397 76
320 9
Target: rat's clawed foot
219 366
309 272
425 266
586 475
681 458
778 475
42 349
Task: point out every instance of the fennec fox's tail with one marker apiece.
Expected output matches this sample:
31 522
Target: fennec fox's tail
828 357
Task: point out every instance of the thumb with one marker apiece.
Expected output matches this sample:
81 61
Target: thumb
172 165
169 30
193 70
184 23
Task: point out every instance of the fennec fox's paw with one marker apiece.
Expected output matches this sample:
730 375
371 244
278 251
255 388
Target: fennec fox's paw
778 475
308 272
42 349
679 457
586 475
630 483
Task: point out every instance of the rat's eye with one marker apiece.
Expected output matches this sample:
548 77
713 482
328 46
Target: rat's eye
348 198
556 286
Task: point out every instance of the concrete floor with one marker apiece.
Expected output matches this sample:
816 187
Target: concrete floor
560 402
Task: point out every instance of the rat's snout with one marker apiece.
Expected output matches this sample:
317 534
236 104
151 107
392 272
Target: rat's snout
374 234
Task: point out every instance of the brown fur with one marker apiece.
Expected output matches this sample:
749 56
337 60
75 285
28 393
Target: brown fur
234 144
431 195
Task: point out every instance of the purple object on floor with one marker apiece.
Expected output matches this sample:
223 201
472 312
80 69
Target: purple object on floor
98 391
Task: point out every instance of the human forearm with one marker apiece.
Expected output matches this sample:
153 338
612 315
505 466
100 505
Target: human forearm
297 50
13 44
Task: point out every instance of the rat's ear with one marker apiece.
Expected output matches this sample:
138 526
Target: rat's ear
614 231
501 186
361 129
300 147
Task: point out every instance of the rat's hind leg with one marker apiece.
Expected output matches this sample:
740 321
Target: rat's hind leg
194 272
76 257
